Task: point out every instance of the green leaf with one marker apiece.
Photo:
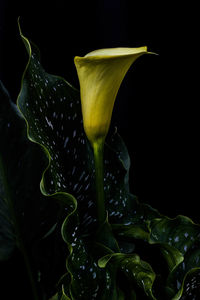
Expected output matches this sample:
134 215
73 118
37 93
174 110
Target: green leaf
179 233
190 288
60 297
87 279
135 269
27 218
20 198
51 108
179 240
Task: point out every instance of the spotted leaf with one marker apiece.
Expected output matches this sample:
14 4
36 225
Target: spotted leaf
191 286
23 209
137 271
179 241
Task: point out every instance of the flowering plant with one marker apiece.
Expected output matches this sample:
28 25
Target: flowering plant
64 192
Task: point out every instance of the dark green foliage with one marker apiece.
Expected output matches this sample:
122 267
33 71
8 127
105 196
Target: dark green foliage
123 258
21 201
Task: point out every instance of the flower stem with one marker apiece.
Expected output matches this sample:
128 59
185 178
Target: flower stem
98 148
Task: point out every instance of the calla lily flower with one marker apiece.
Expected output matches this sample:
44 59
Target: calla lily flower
100 75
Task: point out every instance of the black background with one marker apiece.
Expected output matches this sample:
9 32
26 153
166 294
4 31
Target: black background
156 111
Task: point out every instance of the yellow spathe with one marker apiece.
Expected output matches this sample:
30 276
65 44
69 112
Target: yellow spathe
100 74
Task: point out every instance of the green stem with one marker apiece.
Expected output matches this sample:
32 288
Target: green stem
98 148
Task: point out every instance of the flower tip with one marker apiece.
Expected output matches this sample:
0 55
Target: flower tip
76 58
154 53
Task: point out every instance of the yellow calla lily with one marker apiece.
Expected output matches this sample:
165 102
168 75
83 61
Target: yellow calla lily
100 75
